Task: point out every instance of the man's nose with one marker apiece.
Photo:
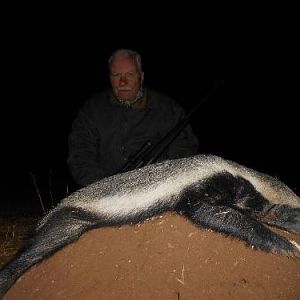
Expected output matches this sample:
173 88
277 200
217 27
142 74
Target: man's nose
123 79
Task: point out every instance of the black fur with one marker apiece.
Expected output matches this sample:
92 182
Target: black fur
231 205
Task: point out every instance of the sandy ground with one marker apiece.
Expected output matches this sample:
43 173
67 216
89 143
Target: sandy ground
164 258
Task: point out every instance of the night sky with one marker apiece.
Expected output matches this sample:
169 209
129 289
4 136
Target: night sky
252 120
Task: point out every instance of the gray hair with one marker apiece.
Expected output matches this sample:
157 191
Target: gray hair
136 56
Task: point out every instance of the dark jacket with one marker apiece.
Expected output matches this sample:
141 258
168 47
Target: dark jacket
106 134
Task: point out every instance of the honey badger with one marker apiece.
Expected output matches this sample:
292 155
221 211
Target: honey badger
210 191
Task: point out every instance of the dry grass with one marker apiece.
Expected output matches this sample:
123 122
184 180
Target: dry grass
13 232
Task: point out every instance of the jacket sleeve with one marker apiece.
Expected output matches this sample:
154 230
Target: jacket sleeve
82 157
186 143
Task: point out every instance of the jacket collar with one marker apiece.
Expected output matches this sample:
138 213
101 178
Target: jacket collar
138 105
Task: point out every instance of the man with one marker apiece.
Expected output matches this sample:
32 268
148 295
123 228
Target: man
114 125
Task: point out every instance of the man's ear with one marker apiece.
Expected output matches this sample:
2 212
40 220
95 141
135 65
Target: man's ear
142 78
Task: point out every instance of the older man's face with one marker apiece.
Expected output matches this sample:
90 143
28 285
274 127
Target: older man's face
125 77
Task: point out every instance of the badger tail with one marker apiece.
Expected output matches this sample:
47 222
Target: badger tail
63 226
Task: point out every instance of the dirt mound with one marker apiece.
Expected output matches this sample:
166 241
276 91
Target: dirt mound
165 258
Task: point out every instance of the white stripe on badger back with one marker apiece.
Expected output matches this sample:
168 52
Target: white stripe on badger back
161 183
135 191
166 193
135 202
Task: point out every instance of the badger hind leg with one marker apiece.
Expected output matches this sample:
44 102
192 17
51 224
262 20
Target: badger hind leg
247 199
231 205
234 223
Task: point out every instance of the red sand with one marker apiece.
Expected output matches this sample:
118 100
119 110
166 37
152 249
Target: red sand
165 258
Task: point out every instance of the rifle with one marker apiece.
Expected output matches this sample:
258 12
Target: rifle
149 153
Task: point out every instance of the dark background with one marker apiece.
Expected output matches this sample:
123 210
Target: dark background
252 120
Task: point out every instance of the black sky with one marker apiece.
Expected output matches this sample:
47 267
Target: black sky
252 120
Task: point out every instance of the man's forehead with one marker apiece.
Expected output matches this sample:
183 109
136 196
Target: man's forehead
123 60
